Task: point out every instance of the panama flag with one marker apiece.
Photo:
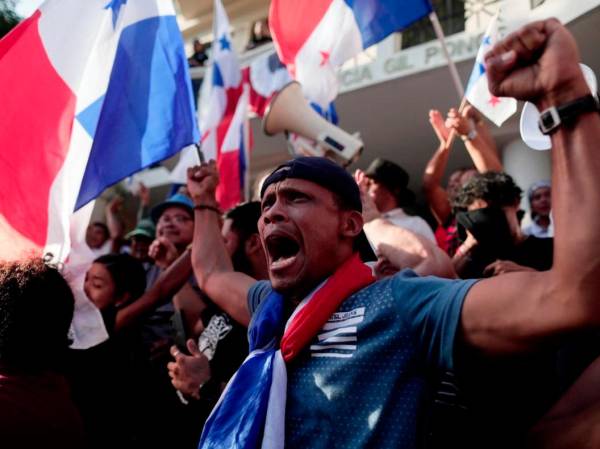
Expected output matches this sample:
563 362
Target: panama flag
220 115
234 156
91 92
497 109
223 85
266 76
313 37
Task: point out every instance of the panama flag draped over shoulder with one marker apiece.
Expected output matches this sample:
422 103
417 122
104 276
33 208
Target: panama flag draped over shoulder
313 37
498 110
91 92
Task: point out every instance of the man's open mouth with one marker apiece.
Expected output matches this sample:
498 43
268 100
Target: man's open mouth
282 251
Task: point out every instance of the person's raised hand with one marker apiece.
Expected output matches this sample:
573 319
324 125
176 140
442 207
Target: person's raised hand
439 127
460 122
202 182
189 372
537 63
115 204
370 211
144 194
163 251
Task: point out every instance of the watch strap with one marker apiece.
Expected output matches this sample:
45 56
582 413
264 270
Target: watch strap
552 118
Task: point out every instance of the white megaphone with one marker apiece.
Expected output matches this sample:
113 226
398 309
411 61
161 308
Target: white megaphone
530 131
290 112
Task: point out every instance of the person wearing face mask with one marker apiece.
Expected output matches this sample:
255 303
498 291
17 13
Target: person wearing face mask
487 210
540 204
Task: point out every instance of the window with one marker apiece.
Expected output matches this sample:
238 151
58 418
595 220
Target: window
452 17
536 3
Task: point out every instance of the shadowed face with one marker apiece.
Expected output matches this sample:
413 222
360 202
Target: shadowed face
301 232
95 236
382 197
139 247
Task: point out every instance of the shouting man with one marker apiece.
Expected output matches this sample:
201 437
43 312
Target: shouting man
350 367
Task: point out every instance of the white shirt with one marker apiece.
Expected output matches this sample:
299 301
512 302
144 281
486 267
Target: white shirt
411 222
536 230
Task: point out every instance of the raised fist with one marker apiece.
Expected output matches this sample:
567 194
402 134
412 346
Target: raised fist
202 182
538 63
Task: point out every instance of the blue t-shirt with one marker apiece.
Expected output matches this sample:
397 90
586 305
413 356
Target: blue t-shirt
361 381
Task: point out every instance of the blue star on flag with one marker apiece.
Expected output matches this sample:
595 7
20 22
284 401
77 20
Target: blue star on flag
481 68
115 5
225 44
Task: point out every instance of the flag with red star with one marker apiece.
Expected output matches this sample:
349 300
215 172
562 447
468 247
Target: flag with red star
314 37
497 109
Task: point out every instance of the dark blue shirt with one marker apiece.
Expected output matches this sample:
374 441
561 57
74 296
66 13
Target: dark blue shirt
361 382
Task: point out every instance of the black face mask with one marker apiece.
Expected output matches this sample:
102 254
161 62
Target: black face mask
489 226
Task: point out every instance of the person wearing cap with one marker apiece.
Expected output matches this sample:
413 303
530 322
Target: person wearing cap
387 184
311 220
539 195
339 360
140 239
170 279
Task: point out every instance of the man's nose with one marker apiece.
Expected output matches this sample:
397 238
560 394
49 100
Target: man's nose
275 213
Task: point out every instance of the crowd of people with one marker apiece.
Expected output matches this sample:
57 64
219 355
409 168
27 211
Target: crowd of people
328 313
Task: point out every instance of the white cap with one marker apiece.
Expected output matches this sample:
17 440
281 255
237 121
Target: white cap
530 132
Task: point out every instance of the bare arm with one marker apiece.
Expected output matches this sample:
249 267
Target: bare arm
212 264
436 195
167 284
518 310
114 224
406 249
481 148
573 421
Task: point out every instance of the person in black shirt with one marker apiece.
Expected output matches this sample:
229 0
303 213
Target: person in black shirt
199 57
223 344
487 209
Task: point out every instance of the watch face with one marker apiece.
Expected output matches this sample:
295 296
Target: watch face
547 121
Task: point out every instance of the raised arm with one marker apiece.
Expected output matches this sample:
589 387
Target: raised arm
114 223
212 264
475 134
516 311
401 247
167 284
406 249
436 195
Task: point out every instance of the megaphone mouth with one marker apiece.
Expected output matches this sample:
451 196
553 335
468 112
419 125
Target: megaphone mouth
265 123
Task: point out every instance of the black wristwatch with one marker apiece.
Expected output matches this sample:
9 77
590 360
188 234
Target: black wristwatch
553 117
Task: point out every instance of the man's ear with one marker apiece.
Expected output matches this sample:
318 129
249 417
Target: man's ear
352 223
253 244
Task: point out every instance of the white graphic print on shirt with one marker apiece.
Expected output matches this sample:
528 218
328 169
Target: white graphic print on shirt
218 328
338 337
